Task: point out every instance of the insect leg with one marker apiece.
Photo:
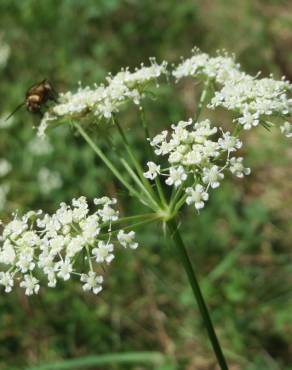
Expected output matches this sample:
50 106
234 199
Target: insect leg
15 110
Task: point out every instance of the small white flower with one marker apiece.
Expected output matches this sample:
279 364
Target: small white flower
203 130
52 281
286 129
80 209
57 243
104 200
64 269
14 229
176 176
127 239
75 246
153 170
30 284
90 228
229 143
193 157
104 252
248 120
92 282
175 157
212 176
25 264
158 139
6 280
7 254
64 214
197 195
108 214
237 168
30 238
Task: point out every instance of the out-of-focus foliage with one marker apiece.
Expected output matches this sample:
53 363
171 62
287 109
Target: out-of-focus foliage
241 243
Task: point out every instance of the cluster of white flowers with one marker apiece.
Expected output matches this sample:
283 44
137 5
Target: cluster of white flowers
220 68
195 161
70 242
253 99
103 100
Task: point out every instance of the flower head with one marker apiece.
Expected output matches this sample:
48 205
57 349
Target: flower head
196 159
40 245
102 101
252 99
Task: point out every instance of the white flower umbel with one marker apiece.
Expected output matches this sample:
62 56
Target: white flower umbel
72 241
102 101
220 68
252 99
196 159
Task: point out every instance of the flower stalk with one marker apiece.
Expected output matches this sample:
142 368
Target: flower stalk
109 164
185 260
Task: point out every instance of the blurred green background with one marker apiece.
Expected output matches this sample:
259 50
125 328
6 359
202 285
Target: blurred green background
241 243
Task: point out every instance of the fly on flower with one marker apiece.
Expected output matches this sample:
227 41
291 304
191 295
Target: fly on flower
36 97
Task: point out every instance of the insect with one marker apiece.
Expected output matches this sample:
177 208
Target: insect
36 96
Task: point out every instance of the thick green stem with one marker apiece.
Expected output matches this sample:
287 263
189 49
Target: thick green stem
185 260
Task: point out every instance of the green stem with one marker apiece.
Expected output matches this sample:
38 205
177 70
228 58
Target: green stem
202 100
175 198
136 164
185 260
151 156
145 126
132 227
128 219
180 203
139 183
106 161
